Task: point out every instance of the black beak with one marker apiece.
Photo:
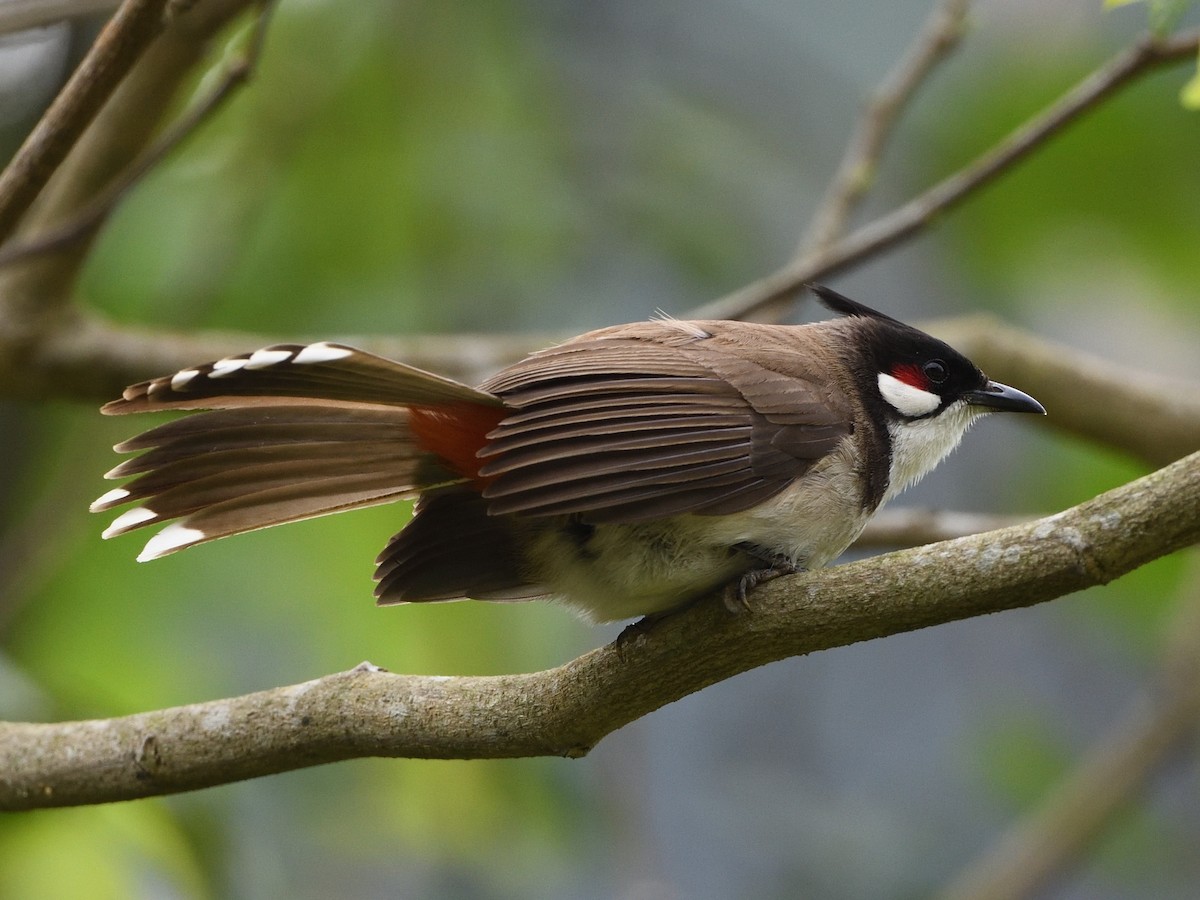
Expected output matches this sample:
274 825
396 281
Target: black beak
1002 398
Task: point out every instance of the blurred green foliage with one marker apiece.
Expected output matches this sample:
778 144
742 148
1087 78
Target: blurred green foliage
386 158
1067 231
1101 211
1026 761
1106 192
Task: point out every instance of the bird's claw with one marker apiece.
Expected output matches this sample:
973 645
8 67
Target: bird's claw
735 593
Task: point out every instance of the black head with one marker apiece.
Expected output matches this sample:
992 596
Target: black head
911 375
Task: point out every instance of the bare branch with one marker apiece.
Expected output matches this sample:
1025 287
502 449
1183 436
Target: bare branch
17 15
919 212
96 210
94 176
89 358
567 710
934 42
913 527
115 51
1104 783
1152 417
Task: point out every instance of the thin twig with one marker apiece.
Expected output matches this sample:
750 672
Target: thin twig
116 49
237 71
934 42
1105 782
912 217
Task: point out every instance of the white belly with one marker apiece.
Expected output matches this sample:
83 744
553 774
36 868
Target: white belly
623 571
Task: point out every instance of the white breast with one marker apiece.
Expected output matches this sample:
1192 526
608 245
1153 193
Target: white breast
633 569
627 570
920 445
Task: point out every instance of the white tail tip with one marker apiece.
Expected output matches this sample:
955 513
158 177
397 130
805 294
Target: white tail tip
321 352
131 518
174 537
112 498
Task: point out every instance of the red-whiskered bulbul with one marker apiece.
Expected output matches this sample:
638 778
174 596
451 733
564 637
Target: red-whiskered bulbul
627 472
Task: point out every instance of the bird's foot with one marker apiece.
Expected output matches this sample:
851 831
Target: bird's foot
769 567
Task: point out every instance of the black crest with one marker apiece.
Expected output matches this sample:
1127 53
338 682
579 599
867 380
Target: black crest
840 303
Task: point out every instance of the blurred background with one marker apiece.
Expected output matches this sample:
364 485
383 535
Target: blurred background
553 166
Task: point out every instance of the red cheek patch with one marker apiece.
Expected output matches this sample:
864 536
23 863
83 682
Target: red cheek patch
911 375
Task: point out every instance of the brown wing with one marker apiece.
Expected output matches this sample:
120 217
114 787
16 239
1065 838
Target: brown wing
657 419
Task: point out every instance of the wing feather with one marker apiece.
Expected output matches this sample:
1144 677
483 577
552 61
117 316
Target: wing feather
644 422
521 450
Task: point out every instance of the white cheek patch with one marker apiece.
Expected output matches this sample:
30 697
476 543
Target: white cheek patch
906 399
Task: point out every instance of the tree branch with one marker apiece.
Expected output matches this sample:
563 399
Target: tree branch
914 527
115 51
567 710
56 231
1150 416
910 219
18 15
934 42
87 202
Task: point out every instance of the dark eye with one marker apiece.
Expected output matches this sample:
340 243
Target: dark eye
935 370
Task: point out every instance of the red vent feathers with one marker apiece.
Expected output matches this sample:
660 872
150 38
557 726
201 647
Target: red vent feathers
456 433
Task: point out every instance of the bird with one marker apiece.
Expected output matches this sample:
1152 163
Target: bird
626 473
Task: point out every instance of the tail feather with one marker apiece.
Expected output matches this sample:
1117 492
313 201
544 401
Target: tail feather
273 506
233 491
453 549
294 440
282 423
179 493
293 432
253 465
321 371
